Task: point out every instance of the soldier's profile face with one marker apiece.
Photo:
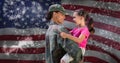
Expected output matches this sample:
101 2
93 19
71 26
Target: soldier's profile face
60 17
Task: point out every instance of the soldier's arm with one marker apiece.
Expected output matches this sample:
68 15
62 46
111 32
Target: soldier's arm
63 29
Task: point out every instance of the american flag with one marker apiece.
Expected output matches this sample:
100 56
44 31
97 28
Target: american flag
23 26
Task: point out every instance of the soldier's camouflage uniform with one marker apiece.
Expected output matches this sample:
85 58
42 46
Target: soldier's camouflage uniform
68 45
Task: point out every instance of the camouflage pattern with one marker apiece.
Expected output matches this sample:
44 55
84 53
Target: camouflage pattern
68 45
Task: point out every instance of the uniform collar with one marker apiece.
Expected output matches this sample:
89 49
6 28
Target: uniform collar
53 23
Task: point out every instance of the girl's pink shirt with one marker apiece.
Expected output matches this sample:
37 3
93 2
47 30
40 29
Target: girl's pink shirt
76 32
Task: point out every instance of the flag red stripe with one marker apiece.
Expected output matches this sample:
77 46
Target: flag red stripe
114 1
69 18
42 50
95 48
108 27
94 59
89 47
20 37
108 42
105 41
93 10
23 50
104 26
20 61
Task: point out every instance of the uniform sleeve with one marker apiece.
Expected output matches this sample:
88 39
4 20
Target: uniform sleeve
63 29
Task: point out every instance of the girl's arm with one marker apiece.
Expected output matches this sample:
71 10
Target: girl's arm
75 39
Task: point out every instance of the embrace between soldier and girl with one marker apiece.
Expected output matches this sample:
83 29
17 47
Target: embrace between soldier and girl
62 45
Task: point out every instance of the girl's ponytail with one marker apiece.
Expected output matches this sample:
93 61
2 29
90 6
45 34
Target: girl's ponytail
90 24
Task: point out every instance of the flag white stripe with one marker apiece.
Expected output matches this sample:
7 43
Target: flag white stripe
107 34
106 19
96 4
28 31
101 18
42 44
100 55
104 47
22 44
22 56
99 32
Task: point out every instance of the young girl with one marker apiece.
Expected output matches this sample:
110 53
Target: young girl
79 34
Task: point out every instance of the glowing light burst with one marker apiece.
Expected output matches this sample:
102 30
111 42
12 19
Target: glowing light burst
21 44
16 9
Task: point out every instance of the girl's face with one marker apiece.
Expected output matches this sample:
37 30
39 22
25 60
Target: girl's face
77 19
